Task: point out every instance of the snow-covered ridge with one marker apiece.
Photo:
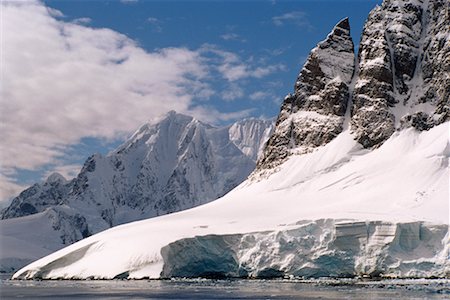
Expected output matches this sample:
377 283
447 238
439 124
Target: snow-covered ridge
171 164
250 135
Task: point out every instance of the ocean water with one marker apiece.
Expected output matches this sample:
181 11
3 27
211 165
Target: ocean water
225 289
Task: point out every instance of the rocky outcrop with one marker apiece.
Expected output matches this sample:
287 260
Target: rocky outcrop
38 197
372 120
314 114
400 80
435 62
403 58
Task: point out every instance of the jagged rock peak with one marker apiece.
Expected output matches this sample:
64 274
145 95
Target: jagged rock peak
332 59
401 80
342 29
314 114
343 24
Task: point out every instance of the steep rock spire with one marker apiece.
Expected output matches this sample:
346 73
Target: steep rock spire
314 114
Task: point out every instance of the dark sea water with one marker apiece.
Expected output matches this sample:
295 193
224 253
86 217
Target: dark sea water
225 289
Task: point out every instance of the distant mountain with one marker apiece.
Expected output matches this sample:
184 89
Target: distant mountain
353 180
170 165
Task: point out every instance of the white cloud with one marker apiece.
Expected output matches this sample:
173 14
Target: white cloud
233 92
82 21
277 51
8 188
233 37
264 71
295 17
63 81
234 72
259 95
55 13
232 68
156 24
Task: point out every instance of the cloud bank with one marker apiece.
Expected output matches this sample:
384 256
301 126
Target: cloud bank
62 81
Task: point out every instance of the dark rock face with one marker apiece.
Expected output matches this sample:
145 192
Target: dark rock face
435 64
52 192
403 58
421 121
372 120
401 80
322 85
71 226
314 114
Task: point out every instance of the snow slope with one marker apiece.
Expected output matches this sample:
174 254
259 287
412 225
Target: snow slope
168 165
371 212
353 180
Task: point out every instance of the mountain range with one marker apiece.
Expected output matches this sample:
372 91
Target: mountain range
353 181
168 165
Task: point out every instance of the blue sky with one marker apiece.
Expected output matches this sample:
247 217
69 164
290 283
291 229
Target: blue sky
276 32
81 76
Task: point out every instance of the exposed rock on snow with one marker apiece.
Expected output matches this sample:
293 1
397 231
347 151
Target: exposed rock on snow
404 59
314 114
51 192
400 79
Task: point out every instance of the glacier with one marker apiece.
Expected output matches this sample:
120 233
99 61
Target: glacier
353 181
340 210
169 164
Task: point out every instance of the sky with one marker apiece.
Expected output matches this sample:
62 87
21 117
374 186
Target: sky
79 77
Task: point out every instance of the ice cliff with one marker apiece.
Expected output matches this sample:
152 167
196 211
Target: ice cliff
321 248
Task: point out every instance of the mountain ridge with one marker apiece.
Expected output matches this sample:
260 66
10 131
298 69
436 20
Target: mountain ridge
173 163
351 192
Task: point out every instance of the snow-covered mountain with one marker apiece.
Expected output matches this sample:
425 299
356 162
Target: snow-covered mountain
340 210
250 136
169 165
354 180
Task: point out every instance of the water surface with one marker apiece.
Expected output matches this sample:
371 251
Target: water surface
225 289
